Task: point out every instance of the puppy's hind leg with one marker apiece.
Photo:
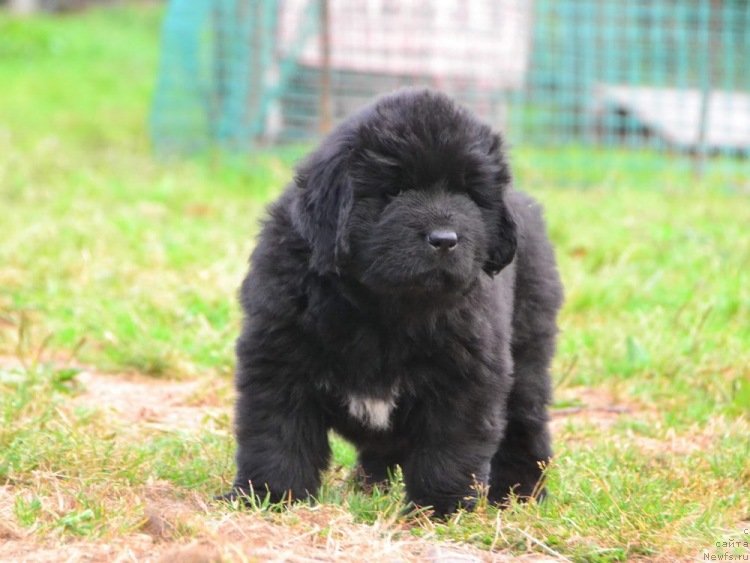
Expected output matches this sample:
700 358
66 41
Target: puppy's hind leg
525 448
375 468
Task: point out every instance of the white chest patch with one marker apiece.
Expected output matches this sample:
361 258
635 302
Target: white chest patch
375 413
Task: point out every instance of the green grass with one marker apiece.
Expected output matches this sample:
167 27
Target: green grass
112 259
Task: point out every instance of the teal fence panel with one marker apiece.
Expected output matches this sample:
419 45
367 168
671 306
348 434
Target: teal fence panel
663 75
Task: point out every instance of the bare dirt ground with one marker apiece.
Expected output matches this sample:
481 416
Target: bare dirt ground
329 532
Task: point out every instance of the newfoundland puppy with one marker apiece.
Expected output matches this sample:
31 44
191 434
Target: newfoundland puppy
404 295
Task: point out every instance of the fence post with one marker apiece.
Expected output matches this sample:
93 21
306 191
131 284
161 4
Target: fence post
326 117
707 75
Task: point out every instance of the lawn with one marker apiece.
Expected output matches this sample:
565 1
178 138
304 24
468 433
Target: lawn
118 277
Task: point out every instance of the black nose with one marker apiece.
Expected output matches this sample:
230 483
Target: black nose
443 240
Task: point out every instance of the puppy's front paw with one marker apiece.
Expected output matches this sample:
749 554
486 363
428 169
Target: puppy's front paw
244 496
236 494
442 506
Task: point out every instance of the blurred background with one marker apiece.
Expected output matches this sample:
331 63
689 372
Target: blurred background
666 75
665 78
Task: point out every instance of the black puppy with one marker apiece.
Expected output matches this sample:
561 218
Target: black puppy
402 294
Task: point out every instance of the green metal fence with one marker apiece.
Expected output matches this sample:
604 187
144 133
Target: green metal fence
665 75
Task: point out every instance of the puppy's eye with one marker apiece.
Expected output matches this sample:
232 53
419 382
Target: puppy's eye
481 199
392 193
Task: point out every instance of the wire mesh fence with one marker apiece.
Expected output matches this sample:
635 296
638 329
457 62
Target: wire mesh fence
672 76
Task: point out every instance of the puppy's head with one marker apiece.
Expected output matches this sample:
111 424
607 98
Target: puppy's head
408 197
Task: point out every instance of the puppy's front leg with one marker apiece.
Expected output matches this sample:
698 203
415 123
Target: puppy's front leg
456 441
445 477
282 444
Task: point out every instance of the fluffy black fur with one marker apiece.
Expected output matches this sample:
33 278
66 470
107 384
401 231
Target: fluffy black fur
435 360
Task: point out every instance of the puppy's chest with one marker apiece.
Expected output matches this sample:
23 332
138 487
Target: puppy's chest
369 384
372 412
376 367
377 375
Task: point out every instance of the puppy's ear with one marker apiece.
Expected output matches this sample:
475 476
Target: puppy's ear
502 247
323 205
